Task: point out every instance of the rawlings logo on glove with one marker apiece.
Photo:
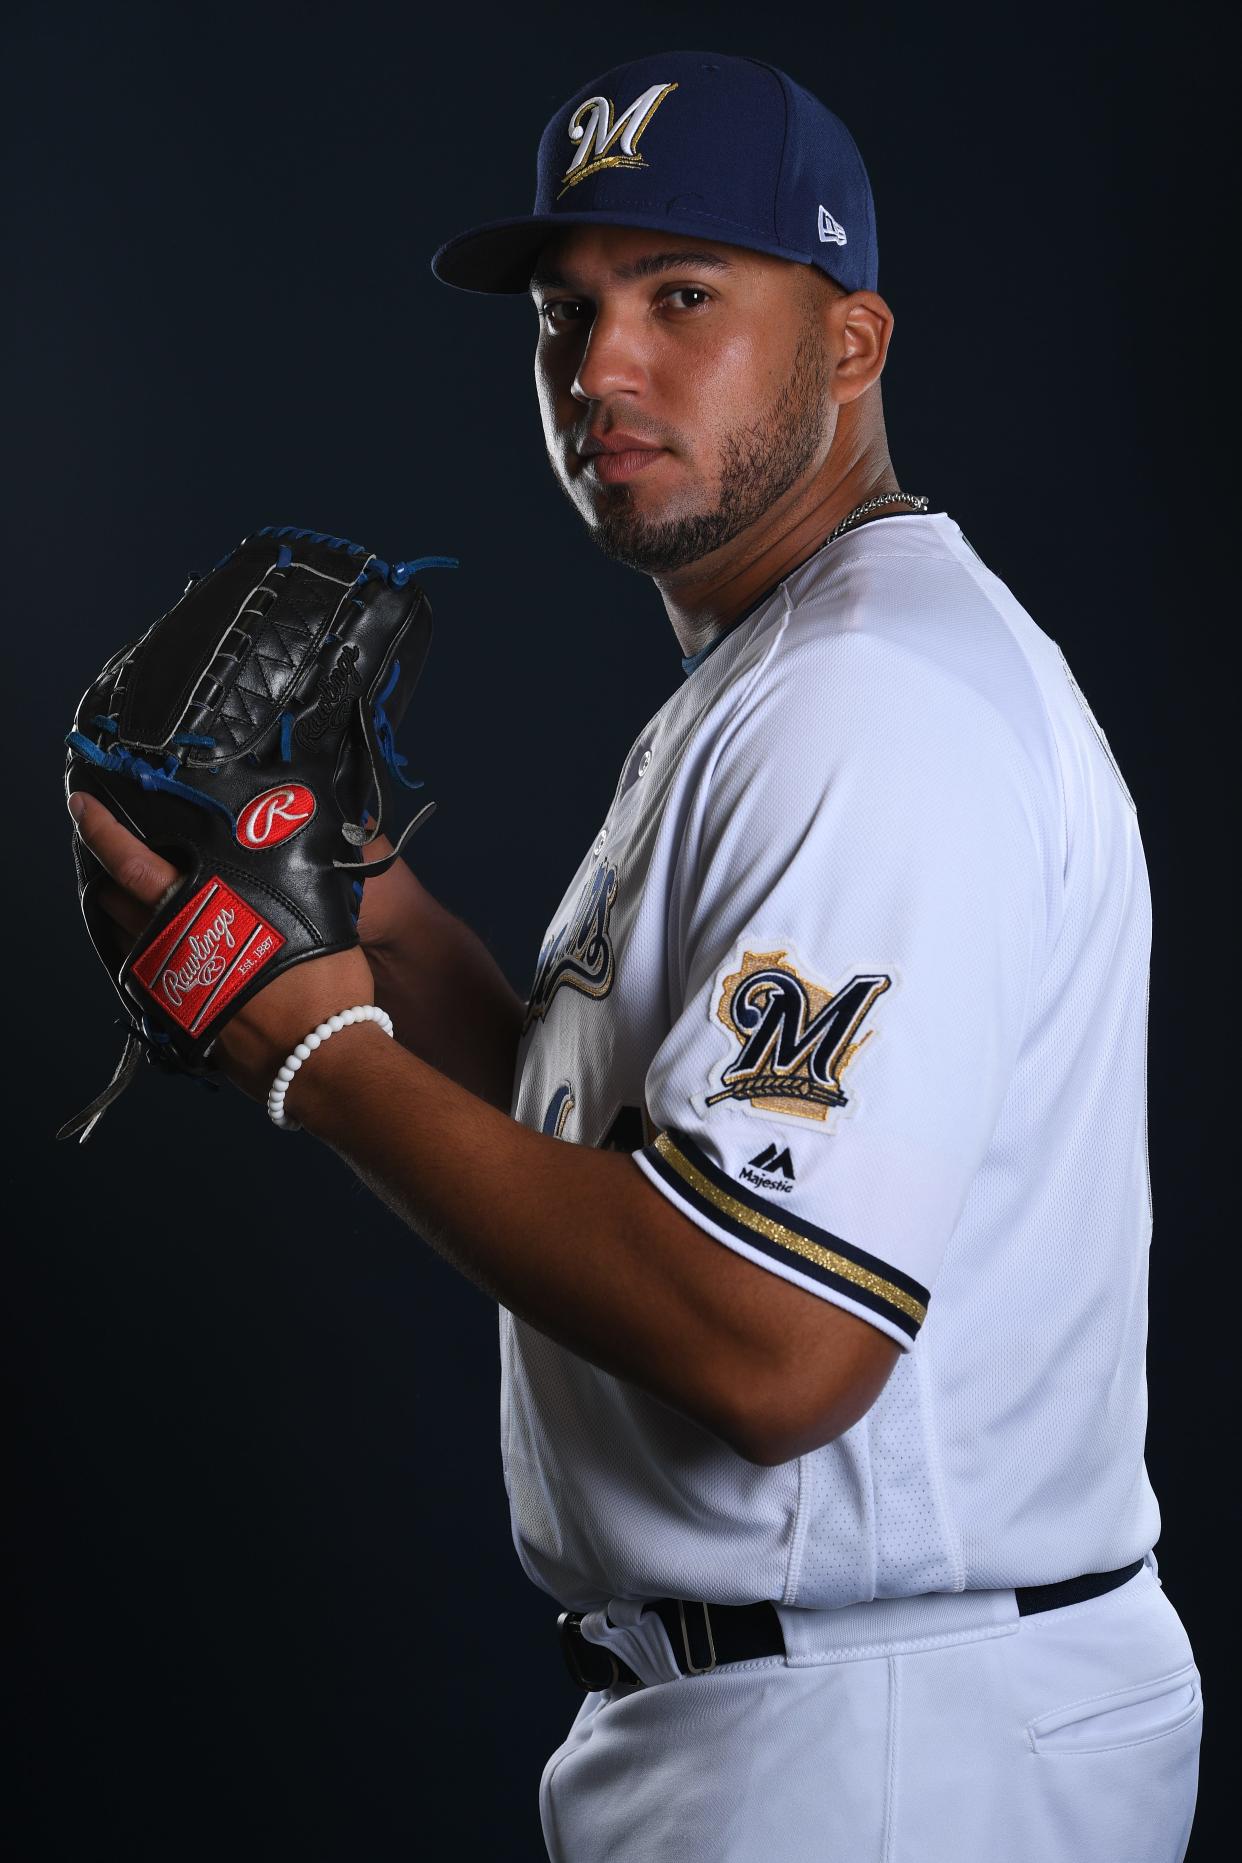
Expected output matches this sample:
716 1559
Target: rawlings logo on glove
215 944
272 817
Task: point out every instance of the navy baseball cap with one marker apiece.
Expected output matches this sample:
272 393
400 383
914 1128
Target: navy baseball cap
699 144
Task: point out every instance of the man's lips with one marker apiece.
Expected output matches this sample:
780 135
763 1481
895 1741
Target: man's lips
611 467
617 455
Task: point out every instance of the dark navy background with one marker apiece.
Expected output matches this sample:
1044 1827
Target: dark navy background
267 1599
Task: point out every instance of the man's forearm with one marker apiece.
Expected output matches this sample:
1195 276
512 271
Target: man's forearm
572 1239
450 1001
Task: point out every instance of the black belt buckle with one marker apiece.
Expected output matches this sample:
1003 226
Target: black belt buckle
605 1671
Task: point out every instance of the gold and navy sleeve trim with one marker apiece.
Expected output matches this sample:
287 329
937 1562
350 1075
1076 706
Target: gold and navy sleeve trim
785 1237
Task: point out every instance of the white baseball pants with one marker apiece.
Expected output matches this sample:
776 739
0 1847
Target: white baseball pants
940 1729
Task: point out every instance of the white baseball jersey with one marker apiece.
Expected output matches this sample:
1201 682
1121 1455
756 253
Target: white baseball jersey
857 969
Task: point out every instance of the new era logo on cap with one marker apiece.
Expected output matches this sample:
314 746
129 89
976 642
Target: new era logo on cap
830 230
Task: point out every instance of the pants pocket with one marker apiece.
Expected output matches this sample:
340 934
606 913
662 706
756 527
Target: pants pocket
1124 1717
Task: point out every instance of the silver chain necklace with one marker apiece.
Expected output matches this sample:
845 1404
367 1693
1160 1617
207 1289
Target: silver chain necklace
920 503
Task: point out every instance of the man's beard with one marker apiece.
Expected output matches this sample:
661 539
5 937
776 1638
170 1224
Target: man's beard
758 464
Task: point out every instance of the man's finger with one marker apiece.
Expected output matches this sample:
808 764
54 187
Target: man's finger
125 911
146 876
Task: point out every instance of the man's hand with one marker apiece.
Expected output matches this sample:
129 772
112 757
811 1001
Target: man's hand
391 905
255 1042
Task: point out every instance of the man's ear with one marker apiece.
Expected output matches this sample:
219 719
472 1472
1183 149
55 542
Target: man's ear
860 328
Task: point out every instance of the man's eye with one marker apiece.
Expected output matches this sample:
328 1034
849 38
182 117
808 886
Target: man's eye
688 291
561 311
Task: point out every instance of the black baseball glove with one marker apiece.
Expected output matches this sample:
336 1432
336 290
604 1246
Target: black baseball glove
247 737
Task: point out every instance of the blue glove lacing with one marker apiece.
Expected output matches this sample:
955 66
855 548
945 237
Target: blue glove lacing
165 776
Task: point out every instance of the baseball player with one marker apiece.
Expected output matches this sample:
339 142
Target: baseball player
810 1178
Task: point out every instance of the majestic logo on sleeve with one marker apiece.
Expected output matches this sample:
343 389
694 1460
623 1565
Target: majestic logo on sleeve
770 1169
580 953
605 141
796 1038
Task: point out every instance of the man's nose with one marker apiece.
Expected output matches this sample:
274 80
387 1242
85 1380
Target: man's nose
612 362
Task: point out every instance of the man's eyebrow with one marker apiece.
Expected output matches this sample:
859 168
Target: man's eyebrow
648 266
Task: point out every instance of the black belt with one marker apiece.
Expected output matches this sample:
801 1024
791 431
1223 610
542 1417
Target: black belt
705 1635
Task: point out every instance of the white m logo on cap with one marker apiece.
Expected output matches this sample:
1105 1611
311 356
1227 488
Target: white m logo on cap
831 231
594 129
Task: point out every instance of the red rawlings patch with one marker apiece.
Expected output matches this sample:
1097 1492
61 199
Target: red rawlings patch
203 957
272 817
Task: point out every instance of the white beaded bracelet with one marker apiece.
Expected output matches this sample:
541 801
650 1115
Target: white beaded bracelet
365 1012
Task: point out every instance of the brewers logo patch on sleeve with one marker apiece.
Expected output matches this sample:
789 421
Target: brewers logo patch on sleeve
794 1038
